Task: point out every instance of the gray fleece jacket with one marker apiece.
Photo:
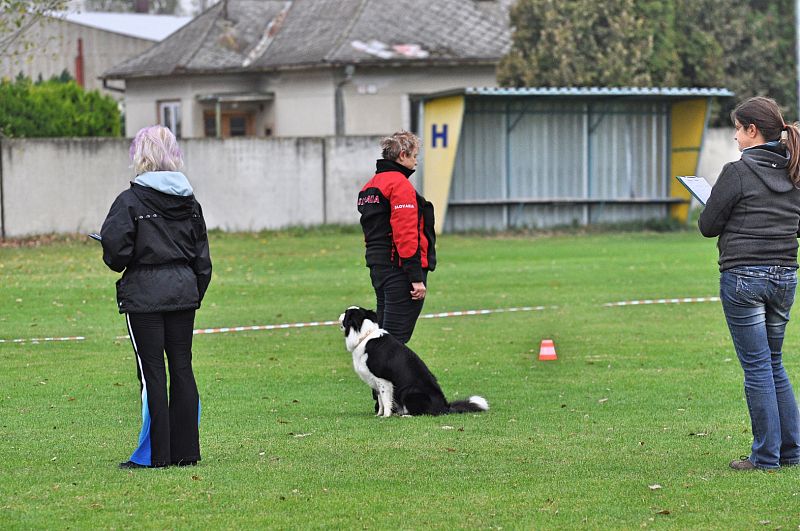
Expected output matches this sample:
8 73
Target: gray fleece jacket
755 210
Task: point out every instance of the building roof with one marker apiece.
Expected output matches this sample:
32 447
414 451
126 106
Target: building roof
148 27
263 35
659 92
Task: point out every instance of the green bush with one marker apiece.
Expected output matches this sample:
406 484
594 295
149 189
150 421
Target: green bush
55 108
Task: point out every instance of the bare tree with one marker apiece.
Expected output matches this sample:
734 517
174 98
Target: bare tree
18 16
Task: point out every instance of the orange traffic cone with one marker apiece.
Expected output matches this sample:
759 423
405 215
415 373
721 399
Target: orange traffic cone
547 351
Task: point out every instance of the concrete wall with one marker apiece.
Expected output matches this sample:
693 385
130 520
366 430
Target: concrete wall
719 148
244 184
67 185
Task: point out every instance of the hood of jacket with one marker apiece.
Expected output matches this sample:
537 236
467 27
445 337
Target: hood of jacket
769 162
168 193
168 182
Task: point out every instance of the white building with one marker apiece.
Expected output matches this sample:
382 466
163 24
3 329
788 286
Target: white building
85 45
311 67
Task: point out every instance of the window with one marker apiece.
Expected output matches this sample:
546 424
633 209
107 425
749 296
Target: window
238 123
169 115
209 125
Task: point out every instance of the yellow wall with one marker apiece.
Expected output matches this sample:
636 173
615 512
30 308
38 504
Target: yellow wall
688 125
442 131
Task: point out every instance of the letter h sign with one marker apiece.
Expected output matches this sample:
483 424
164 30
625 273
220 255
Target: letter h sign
437 134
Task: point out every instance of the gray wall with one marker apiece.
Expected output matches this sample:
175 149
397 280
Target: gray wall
719 148
67 185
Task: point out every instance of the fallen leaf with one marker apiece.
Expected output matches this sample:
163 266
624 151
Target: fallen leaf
663 511
447 427
602 400
654 487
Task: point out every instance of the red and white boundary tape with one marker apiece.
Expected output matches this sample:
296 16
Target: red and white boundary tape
663 301
261 327
42 339
441 315
332 323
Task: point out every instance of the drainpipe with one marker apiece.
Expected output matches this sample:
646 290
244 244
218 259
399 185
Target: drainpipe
218 117
79 65
338 99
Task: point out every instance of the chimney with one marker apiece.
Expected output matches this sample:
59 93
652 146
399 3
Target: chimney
141 6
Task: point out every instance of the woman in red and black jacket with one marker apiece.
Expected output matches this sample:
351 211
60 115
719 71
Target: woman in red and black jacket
399 235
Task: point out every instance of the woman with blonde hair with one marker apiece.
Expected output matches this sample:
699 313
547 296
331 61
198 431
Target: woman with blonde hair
754 208
155 235
399 235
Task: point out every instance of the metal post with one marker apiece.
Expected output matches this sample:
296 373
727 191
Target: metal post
2 200
797 50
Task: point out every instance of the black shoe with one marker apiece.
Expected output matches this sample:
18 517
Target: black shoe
130 464
186 463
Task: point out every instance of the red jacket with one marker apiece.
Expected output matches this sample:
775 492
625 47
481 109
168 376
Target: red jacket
397 222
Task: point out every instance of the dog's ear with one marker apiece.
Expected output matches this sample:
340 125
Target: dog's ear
371 315
349 320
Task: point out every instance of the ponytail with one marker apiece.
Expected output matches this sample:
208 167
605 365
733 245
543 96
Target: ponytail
765 114
790 138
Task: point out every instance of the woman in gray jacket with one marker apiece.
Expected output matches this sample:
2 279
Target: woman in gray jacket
754 208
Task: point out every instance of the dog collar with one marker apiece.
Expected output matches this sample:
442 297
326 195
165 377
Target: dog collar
363 338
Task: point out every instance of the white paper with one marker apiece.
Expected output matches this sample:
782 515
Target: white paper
698 186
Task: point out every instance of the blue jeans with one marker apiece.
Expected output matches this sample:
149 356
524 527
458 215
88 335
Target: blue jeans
756 301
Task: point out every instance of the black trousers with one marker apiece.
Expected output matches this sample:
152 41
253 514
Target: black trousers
397 311
169 418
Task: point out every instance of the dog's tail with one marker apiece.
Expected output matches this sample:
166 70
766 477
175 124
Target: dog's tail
474 404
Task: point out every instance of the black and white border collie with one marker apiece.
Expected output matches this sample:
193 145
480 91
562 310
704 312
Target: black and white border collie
401 380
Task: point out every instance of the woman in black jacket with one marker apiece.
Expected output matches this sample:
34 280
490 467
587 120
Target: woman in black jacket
754 208
156 236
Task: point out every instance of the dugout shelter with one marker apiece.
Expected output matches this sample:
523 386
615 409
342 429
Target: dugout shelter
505 158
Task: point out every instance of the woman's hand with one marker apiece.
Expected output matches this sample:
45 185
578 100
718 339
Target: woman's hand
418 291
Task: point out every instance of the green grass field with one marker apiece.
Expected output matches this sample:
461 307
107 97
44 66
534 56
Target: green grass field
633 425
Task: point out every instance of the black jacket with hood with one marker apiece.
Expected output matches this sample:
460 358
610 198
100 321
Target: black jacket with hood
754 208
160 241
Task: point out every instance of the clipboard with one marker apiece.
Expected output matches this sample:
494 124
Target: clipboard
697 186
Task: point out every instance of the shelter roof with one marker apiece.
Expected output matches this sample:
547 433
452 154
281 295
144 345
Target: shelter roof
659 92
263 35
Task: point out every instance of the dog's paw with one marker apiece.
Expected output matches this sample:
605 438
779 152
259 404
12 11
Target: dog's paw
407 416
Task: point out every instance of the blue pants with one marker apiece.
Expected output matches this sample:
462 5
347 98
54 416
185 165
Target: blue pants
756 301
